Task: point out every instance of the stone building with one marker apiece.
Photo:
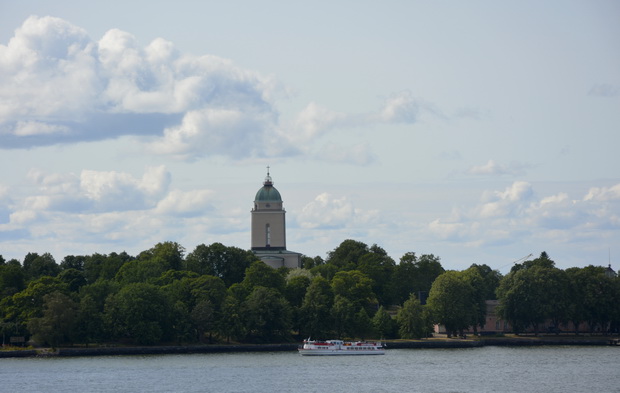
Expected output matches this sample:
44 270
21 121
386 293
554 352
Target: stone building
269 228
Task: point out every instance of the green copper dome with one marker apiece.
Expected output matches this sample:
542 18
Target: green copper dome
268 192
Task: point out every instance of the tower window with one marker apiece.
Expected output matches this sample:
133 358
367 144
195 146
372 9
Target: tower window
268 235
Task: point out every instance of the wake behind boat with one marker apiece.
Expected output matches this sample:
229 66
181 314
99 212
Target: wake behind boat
339 347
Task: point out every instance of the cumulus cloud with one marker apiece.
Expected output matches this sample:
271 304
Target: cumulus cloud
502 203
315 121
400 108
96 207
58 85
518 213
97 191
325 211
188 203
492 168
603 194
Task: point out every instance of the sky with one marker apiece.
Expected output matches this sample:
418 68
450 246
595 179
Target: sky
480 131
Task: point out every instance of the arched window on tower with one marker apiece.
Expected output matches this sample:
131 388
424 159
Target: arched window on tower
268 235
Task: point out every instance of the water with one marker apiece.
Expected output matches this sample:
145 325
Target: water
488 369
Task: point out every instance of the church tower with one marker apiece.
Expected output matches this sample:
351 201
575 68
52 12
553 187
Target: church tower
269 228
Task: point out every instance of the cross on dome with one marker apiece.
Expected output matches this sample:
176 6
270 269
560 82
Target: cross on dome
268 181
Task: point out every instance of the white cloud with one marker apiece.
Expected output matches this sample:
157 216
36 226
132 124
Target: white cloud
46 70
185 203
492 168
603 194
97 191
449 230
517 214
61 86
325 211
400 108
27 128
121 191
93 208
502 203
217 131
314 121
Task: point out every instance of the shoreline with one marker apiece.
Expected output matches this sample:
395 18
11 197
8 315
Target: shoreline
227 348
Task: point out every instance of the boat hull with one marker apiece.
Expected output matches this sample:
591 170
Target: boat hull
337 352
340 348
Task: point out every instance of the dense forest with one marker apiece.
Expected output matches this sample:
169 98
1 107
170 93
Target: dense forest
224 294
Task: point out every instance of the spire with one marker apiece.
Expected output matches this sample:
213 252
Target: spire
268 181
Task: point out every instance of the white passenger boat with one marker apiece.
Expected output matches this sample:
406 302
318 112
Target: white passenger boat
338 347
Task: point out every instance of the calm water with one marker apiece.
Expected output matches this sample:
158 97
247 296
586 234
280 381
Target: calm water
489 369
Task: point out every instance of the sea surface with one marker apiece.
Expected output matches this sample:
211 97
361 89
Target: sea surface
487 369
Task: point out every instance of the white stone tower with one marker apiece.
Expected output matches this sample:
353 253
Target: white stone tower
269 228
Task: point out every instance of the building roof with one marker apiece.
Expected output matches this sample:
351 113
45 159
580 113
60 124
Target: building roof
268 192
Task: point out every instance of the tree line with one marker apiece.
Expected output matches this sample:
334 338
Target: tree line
221 294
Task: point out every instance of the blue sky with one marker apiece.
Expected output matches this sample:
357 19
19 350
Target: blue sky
478 131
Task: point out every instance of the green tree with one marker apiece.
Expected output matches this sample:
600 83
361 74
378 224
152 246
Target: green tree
315 308
74 279
532 294
295 289
412 319
380 268
356 287
227 263
343 315
309 263
73 262
12 279
89 321
167 254
600 297
93 265
267 314
139 312
28 303
141 270
231 325
203 317
347 255
261 275
208 288
182 324
479 296
326 270
98 266
490 281
452 302
99 291
415 275
57 324
36 266
383 324
362 324
543 261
